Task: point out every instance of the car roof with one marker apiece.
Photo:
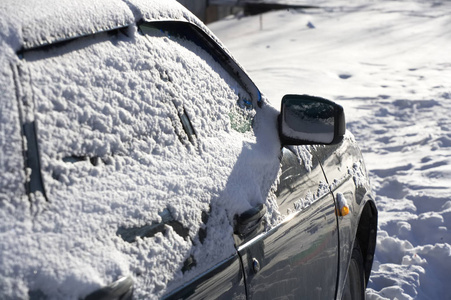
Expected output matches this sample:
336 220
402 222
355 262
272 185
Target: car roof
28 24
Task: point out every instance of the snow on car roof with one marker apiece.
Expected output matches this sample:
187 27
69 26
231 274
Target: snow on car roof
33 23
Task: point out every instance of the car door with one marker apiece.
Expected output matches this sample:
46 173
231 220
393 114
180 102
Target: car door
299 256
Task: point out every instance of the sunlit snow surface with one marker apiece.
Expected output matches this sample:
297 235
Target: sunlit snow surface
389 64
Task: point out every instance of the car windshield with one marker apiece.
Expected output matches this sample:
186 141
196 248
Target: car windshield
134 129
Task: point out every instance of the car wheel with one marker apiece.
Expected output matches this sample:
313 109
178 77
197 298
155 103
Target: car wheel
354 288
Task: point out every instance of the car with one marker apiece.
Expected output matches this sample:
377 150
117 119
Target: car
139 160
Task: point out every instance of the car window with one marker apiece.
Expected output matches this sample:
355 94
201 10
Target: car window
138 134
194 43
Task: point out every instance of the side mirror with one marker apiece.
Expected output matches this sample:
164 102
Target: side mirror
308 120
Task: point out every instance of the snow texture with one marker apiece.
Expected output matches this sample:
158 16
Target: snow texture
388 64
11 159
32 23
115 156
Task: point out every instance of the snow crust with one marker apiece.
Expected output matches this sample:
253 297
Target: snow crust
32 23
388 64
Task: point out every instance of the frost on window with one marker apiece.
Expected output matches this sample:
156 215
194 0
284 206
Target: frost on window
242 115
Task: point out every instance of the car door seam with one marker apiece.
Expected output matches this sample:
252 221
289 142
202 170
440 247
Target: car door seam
336 221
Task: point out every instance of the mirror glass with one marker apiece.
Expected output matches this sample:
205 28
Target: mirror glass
308 119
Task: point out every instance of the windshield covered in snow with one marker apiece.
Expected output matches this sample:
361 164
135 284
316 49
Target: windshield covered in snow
135 128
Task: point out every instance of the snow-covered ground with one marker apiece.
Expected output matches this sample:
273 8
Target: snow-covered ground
389 64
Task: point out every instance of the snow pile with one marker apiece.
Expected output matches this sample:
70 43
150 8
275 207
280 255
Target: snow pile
388 64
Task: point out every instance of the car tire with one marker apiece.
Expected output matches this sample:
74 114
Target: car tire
354 288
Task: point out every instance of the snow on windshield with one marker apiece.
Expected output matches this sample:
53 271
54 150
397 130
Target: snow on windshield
116 157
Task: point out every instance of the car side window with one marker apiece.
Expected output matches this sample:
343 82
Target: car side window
188 37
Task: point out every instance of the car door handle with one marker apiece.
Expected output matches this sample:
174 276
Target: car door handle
251 221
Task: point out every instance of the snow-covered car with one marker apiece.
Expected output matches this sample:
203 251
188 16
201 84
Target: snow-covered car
139 160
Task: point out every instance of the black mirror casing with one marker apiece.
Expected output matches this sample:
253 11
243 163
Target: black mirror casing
309 120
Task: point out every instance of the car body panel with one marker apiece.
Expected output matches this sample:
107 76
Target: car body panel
298 257
224 281
348 179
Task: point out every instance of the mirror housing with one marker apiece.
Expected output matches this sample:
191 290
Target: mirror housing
309 120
